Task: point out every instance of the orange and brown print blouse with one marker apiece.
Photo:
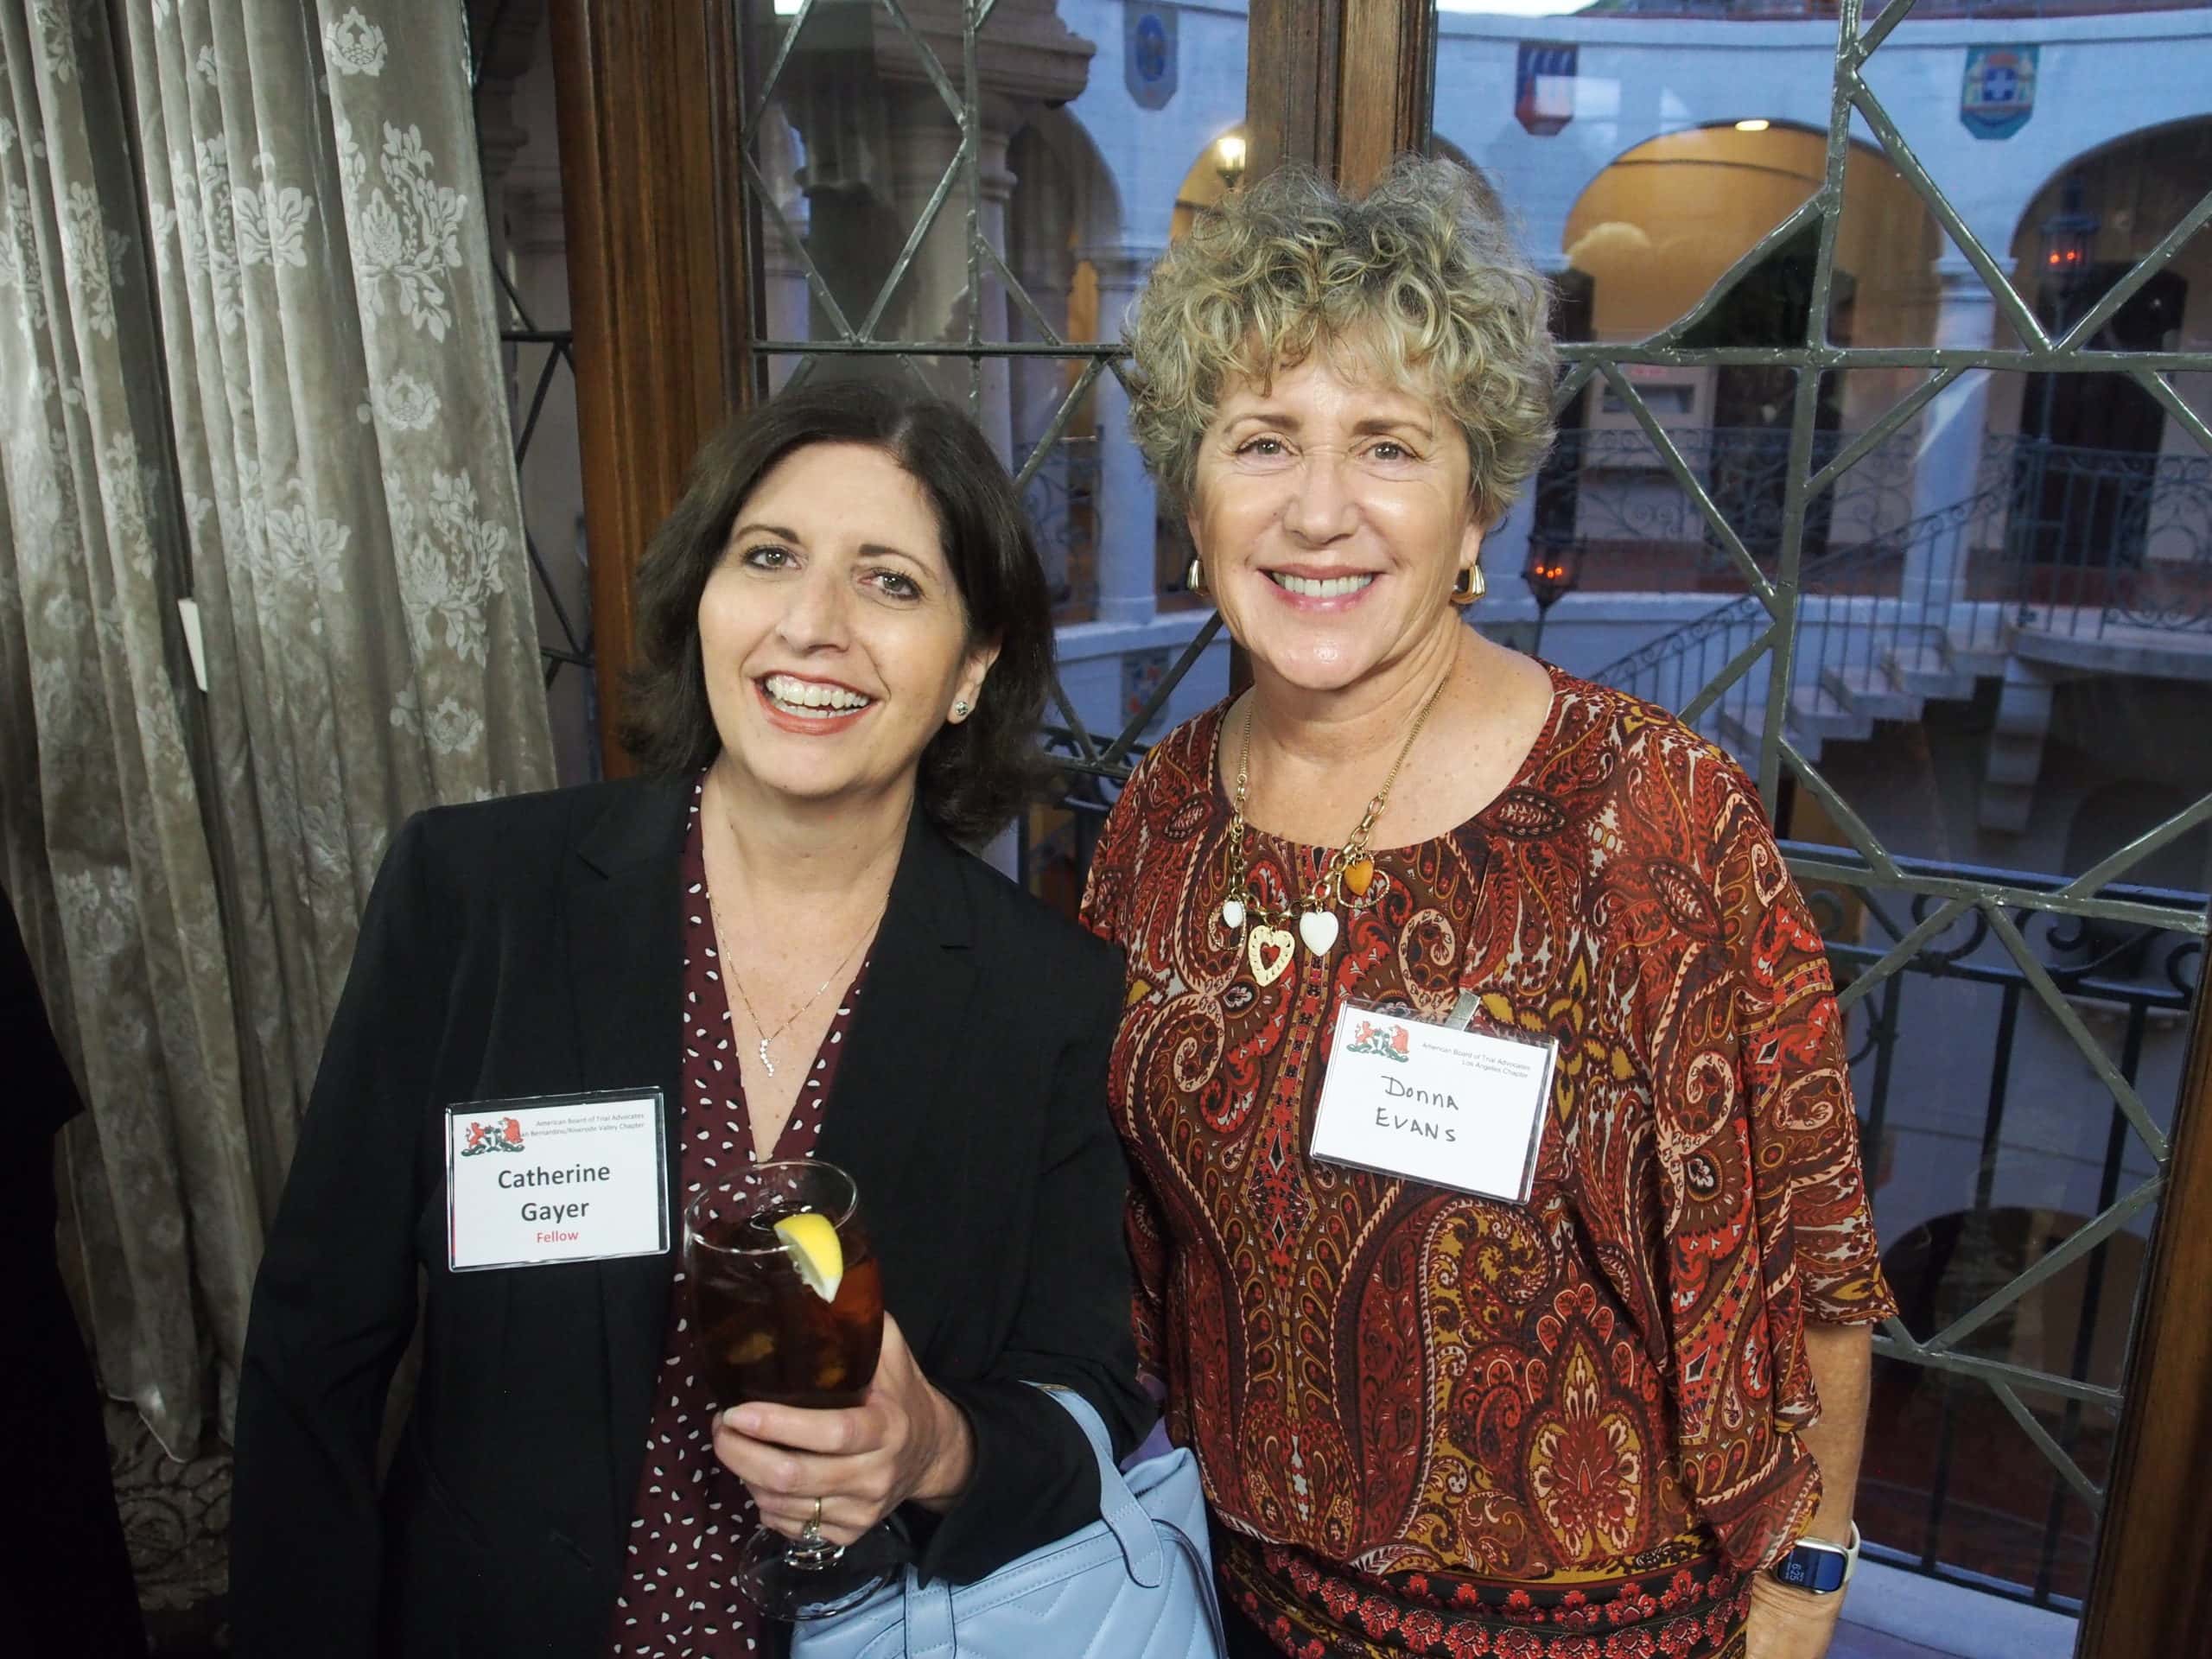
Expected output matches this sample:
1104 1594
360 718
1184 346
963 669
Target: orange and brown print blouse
1408 1400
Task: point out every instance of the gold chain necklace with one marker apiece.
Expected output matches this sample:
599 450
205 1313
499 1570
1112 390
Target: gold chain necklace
1268 946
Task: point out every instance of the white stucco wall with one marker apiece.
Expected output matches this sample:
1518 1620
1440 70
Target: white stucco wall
1150 151
2099 79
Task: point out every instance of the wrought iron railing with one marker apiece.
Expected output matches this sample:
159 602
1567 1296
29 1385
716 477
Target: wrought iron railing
1606 491
1062 498
1883 625
2022 1298
1767 12
2106 540
2088 543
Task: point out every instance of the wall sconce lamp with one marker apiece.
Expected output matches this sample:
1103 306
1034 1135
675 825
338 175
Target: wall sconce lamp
1229 159
1553 571
2070 236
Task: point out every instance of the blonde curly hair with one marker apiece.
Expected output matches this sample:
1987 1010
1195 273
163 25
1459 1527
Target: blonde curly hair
1421 281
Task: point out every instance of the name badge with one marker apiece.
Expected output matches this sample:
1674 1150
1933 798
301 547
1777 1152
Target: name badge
1439 1104
568 1178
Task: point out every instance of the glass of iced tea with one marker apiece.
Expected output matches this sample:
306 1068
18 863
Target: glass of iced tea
787 1305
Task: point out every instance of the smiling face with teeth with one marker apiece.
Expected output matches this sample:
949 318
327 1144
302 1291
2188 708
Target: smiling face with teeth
832 633
1332 512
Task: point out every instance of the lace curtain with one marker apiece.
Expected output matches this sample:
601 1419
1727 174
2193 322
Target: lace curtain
249 355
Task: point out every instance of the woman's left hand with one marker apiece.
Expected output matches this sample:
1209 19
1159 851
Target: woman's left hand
905 1443
1787 1624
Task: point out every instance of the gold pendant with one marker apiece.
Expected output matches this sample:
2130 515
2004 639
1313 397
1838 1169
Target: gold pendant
1359 875
1269 951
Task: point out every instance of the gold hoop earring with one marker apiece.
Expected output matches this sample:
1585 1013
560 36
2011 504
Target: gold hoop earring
1194 577
1469 585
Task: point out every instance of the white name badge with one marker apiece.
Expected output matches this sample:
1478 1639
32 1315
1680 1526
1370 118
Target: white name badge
567 1178
1439 1104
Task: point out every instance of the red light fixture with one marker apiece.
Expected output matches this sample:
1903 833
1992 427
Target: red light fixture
1553 571
2070 236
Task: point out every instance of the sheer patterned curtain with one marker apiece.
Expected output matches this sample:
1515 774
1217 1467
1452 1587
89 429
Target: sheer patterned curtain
248 353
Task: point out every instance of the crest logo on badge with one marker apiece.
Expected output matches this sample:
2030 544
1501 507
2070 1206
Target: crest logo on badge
504 1136
1390 1042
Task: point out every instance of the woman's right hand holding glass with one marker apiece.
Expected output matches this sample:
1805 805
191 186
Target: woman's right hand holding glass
905 1443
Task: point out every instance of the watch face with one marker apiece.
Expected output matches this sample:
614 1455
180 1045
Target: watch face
1821 1571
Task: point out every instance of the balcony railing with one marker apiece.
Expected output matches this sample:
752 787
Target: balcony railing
1062 499
2101 548
1954 1062
1768 11
2105 541
1605 491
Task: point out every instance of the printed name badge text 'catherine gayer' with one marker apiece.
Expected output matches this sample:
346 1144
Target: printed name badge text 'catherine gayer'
1426 1102
579 1178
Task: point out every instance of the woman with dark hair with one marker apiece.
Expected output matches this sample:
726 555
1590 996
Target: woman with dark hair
845 644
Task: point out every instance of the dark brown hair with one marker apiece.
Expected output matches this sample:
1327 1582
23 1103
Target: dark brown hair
974 775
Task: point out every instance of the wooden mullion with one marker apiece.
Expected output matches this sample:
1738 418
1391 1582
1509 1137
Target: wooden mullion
2154 1552
1291 78
1387 74
645 92
1342 86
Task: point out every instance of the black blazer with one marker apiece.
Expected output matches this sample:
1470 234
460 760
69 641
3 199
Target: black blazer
532 946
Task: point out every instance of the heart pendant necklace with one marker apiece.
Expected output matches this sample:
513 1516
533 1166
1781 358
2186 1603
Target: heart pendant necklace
1268 946
1269 951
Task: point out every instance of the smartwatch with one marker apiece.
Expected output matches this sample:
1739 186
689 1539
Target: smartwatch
1818 1569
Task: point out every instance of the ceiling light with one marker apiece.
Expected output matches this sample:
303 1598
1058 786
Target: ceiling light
1758 124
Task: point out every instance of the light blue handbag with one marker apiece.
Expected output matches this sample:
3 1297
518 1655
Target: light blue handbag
1136 1583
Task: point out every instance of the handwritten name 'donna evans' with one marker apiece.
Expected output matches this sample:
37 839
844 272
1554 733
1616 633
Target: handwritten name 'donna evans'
1385 1118
532 1210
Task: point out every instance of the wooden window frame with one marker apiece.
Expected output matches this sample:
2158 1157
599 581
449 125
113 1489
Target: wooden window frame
647 100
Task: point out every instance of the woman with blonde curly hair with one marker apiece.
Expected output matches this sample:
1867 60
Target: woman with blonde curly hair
1604 1401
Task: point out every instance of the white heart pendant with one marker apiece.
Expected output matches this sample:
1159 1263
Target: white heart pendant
1232 914
1267 950
1318 929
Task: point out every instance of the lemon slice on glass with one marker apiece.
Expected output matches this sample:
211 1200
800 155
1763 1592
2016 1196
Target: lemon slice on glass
810 1238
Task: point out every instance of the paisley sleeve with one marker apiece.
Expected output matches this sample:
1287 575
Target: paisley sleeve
1816 1223
1767 1222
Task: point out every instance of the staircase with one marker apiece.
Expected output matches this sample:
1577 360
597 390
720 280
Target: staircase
1883 631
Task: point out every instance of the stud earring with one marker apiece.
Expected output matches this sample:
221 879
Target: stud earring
960 709
1194 577
1469 585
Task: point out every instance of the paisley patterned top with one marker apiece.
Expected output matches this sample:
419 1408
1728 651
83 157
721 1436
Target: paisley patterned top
1386 1381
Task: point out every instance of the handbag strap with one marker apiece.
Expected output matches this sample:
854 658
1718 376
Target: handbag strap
1117 1506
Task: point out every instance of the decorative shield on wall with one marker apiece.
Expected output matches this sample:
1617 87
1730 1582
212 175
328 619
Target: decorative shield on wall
1148 54
1999 92
1544 87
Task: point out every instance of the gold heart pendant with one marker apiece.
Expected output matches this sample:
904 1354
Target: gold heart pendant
1267 950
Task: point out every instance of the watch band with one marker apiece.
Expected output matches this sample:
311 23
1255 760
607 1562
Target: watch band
1818 1568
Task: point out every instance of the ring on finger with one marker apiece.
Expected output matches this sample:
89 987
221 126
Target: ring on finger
813 1528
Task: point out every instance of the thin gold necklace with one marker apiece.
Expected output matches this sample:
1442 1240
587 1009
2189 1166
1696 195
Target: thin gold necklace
730 972
1268 946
